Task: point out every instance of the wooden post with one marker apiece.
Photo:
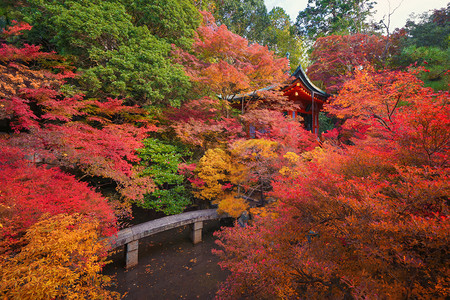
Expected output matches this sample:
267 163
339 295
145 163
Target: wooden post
313 114
131 254
315 121
196 233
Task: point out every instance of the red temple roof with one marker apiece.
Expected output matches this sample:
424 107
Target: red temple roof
302 92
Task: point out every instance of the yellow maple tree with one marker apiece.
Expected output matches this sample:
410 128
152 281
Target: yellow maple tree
233 205
62 260
214 170
229 177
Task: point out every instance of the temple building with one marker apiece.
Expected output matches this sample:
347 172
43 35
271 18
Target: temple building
302 92
309 97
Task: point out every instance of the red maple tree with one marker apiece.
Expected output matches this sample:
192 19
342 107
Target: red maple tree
28 191
336 57
367 217
95 138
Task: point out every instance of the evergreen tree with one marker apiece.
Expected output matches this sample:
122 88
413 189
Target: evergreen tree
325 17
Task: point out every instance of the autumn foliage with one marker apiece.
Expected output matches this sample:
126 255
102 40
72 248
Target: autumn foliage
365 215
62 258
203 123
245 168
27 192
51 223
393 107
336 57
225 64
359 213
96 138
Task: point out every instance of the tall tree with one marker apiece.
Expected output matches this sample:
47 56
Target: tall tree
250 20
432 28
426 46
173 21
281 38
115 45
336 57
326 17
247 18
224 64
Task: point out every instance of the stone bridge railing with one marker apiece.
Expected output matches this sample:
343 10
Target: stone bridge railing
130 237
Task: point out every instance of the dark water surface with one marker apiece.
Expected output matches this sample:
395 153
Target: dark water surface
170 267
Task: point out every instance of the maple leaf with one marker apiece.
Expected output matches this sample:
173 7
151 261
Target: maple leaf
365 216
62 258
224 63
31 191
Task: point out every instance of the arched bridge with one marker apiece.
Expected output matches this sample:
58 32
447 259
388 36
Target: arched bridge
130 237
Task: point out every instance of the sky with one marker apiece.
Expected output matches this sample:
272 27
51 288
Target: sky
398 19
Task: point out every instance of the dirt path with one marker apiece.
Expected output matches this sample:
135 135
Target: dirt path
171 267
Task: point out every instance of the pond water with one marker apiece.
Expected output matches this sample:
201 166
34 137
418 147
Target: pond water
170 267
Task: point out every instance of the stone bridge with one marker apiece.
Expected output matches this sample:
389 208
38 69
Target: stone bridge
129 237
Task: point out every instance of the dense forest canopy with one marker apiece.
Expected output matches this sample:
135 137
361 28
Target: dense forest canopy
326 17
106 105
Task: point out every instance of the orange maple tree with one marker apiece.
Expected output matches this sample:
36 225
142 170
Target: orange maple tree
225 64
203 123
62 259
364 216
245 168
